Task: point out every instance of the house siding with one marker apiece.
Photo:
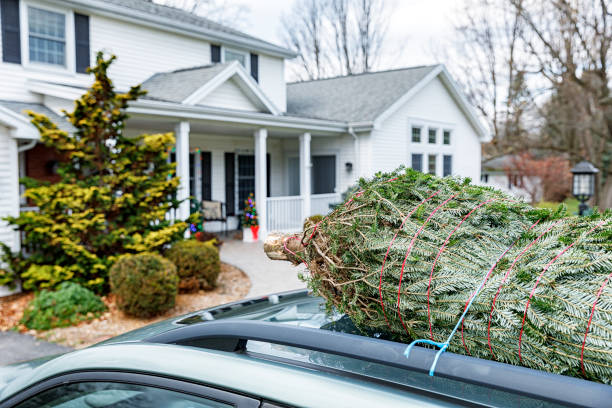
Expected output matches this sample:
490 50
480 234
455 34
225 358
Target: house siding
433 106
229 95
142 51
9 188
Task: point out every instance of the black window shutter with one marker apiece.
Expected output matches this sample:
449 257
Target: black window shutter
268 174
230 192
11 41
255 66
206 176
215 53
81 34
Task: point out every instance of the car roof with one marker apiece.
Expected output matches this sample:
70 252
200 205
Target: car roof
235 372
280 337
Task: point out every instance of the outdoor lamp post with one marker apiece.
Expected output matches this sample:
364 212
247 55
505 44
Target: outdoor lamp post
583 183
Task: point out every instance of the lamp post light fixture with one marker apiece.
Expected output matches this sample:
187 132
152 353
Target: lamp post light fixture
583 183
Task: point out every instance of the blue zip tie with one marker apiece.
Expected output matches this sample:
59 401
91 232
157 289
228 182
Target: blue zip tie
444 346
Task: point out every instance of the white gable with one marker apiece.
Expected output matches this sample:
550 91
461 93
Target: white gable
432 107
230 96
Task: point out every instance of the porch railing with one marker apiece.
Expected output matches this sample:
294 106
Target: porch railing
319 203
285 213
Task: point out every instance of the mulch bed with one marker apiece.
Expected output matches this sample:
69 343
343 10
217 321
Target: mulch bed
232 285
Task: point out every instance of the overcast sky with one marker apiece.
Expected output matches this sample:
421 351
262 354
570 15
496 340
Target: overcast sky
416 28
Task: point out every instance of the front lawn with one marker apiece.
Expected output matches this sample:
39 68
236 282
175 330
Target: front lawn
570 203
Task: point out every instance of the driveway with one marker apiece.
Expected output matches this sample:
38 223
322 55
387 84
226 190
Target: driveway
16 347
266 276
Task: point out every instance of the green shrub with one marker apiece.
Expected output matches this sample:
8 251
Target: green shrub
197 264
145 285
111 198
68 305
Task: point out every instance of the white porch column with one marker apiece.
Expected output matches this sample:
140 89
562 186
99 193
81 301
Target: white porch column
261 180
305 167
181 132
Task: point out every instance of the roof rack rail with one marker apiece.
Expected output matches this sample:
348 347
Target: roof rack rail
233 335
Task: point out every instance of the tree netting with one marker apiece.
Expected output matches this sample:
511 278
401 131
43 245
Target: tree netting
404 255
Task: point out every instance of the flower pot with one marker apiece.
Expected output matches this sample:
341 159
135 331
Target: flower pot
255 231
247 235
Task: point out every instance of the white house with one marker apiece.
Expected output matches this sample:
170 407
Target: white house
239 127
501 173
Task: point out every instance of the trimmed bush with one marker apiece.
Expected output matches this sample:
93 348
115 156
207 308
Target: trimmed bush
197 264
68 305
145 285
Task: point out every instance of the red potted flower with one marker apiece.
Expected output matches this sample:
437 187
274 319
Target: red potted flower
250 220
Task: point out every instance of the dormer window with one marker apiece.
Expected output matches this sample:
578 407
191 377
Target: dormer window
230 55
47 36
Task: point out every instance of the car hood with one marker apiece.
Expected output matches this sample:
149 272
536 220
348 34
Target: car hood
11 372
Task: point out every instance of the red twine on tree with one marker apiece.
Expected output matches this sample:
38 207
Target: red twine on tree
314 230
519 256
433 266
485 281
408 251
586 333
389 249
538 281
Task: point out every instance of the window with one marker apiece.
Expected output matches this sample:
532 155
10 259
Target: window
446 137
231 55
432 135
47 36
447 165
416 135
417 162
107 394
484 178
431 164
323 174
246 178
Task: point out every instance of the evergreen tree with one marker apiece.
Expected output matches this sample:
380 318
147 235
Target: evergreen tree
250 212
403 256
113 196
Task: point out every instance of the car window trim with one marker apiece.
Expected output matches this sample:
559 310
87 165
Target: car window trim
423 392
136 378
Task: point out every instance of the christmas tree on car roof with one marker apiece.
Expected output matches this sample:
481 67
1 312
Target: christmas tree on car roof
406 254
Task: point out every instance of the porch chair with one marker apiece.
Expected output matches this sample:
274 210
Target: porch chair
214 211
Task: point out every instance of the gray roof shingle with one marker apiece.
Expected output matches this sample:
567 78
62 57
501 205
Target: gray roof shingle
22 107
352 98
177 85
185 17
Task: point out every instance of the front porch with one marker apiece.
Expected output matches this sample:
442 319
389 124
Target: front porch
226 161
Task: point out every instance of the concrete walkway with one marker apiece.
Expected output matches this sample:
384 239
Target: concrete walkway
17 347
266 276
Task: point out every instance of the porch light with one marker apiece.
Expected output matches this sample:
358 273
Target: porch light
348 166
583 183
